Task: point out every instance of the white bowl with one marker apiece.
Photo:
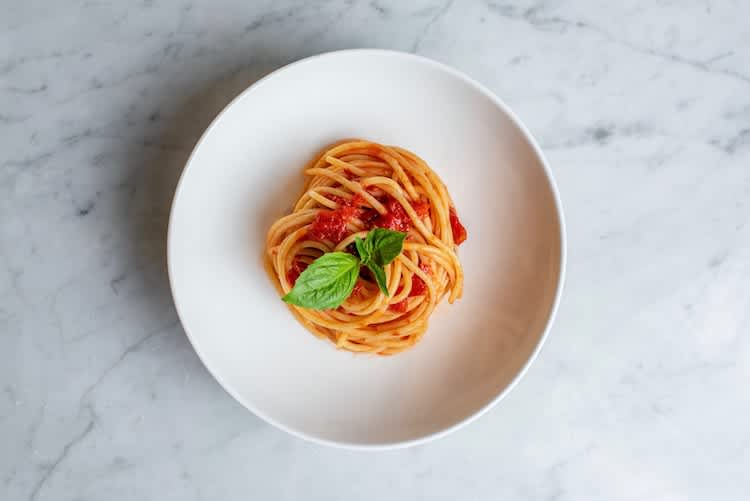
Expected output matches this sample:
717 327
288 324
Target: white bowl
246 171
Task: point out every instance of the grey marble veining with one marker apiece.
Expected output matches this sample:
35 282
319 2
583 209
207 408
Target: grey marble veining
643 109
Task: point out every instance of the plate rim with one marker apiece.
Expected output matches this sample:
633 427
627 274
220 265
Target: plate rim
367 52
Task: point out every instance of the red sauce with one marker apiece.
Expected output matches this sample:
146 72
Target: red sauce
331 224
422 208
399 307
340 200
357 200
418 288
368 216
358 287
458 229
295 271
395 218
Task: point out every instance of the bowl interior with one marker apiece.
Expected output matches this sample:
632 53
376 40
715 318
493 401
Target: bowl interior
246 172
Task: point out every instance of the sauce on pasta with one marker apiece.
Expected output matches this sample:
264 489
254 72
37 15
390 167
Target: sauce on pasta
351 188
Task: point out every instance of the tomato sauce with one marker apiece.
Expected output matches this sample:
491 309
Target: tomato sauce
368 216
395 218
399 307
331 224
418 288
359 286
422 208
458 229
295 271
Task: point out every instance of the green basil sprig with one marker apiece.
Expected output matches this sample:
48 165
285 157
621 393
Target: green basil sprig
330 279
326 283
379 248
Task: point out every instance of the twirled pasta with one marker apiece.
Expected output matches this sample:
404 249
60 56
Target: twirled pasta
354 186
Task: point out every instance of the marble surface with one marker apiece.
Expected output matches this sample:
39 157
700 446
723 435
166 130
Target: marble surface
643 109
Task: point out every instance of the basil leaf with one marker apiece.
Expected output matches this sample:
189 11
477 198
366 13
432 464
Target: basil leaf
379 274
364 250
384 245
330 279
326 283
378 249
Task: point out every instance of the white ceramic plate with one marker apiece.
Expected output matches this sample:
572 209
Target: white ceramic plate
246 171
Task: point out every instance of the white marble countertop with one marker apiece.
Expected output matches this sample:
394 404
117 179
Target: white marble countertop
643 109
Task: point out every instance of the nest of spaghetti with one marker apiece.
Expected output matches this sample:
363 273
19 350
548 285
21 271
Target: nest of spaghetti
351 188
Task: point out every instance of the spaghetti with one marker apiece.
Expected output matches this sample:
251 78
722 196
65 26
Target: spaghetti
352 187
